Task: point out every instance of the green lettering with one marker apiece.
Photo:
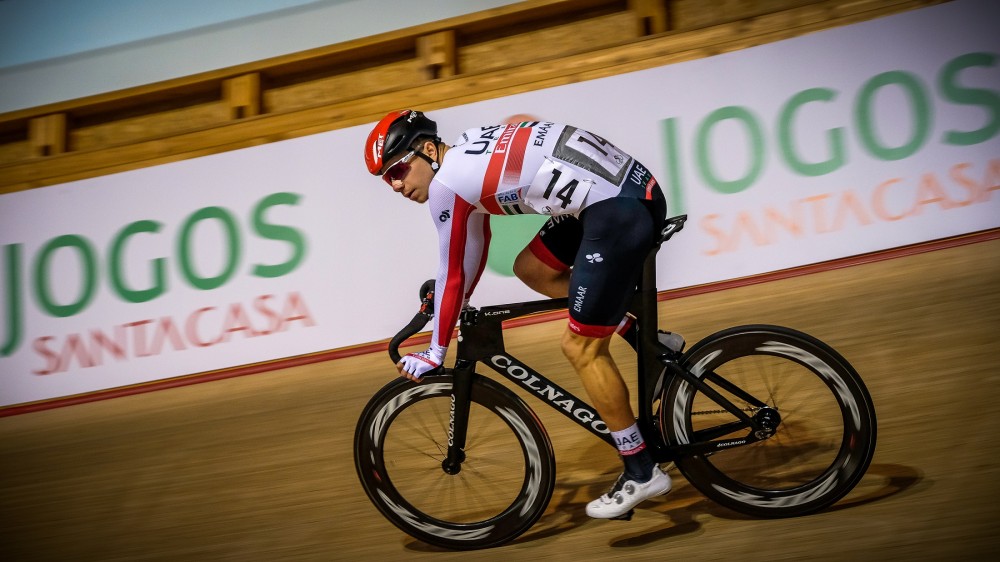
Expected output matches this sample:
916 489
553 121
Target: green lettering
786 142
116 265
675 192
921 115
88 260
283 233
987 99
14 333
184 248
756 137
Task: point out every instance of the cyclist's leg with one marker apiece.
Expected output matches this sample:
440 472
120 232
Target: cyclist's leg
544 264
603 382
617 235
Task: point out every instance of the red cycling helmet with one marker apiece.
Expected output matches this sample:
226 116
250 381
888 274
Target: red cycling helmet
394 134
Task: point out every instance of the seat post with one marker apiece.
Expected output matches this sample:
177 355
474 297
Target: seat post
645 305
647 366
650 350
646 295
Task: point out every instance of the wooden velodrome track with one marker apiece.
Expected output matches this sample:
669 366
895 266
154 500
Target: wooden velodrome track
260 467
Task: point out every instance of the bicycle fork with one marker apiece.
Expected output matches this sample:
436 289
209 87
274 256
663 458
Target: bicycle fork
458 422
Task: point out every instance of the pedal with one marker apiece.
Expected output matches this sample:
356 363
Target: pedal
624 516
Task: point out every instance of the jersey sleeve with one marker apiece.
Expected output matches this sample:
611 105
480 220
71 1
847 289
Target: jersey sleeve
463 243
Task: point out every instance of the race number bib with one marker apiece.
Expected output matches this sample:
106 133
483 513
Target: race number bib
593 154
556 190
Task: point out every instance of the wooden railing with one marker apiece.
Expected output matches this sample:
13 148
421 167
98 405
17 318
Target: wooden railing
489 54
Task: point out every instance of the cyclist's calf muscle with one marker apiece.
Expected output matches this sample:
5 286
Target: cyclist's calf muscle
591 358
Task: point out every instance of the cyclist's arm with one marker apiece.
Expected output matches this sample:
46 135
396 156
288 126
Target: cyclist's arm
476 251
463 239
463 236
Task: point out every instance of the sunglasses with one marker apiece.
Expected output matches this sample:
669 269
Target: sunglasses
399 170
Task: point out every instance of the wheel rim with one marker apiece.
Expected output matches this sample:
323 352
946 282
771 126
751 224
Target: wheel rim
494 471
821 447
502 487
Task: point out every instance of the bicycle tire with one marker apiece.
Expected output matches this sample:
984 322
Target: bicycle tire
506 480
822 445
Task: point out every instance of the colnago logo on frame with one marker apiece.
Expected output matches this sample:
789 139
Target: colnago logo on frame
532 382
72 273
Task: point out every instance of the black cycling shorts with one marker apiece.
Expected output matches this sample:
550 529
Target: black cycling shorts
606 248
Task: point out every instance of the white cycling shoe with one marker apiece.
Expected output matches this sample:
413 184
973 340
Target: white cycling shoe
626 494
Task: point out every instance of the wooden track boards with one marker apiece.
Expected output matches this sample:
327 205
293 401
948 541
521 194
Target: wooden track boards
260 467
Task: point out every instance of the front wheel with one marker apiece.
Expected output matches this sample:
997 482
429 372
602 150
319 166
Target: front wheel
824 437
504 483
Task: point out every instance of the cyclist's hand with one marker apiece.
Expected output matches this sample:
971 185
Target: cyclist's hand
416 365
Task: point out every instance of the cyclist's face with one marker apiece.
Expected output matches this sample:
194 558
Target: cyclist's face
415 184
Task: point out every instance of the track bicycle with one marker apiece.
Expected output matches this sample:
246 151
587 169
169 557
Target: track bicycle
764 420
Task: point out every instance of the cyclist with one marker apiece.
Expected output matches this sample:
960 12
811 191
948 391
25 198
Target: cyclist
605 209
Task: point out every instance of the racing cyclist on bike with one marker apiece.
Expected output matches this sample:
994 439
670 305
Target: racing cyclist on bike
605 210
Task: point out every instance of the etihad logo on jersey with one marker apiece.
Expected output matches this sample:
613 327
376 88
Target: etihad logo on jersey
504 142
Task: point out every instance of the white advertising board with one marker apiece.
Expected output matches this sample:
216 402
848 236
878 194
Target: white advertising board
852 140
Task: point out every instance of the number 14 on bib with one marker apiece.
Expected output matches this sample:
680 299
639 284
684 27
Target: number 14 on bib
556 190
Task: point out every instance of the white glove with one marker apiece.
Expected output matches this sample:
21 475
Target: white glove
416 364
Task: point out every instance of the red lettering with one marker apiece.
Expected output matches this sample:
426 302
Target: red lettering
819 211
745 223
133 339
166 329
792 223
929 191
975 191
878 202
51 358
295 309
191 328
236 321
74 348
139 337
101 341
850 205
708 225
260 305
992 179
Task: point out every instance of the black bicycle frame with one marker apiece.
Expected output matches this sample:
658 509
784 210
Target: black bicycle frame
481 340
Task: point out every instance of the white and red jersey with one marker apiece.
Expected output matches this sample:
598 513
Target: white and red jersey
526 168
